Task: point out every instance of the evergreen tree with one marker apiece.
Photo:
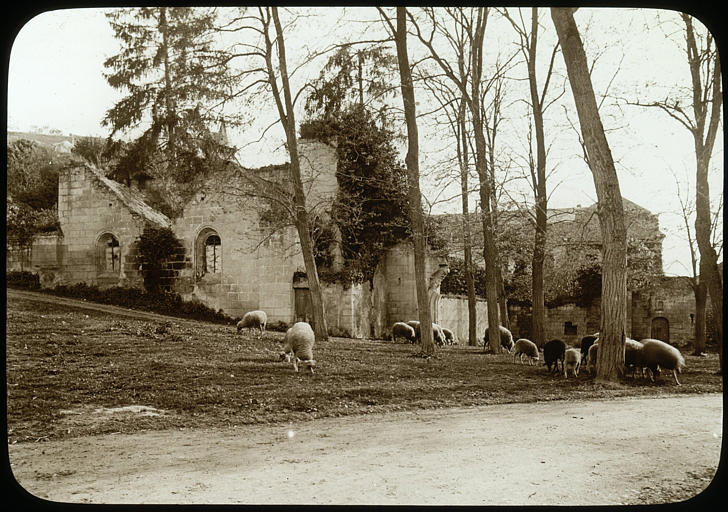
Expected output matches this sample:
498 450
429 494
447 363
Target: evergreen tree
172 75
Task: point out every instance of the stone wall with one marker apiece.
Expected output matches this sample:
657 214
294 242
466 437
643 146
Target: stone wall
453 314
399 279
44 257
669 298
87 210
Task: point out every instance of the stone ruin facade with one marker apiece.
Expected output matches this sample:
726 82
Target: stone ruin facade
230 260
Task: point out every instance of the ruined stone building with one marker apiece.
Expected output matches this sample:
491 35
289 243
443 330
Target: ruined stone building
659 307
232 261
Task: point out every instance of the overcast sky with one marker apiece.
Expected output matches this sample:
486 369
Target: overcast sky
55 81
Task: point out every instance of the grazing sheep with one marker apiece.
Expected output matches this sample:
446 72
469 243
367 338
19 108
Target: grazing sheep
633 357
449 336
402 330
572 361
506 338
553 352
253 320
657 353
592 358
524 347
298 346
437 334
415 324
586 342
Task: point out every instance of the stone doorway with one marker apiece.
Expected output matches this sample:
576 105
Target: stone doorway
660 329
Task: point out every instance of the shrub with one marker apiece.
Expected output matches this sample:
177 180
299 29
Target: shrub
164 303
23 279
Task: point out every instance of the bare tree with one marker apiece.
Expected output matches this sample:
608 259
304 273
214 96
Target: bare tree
528 46
702 123
473 22
413 176
454 107
700 290
269 75
610 364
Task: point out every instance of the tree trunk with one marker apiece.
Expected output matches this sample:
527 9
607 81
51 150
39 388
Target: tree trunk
413 180
301 221
538 318
701 292
467 238
481 166
610 357
709 274
170 114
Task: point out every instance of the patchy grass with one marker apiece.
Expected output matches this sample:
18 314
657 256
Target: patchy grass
74 372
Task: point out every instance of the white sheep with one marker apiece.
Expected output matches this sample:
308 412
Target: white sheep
253 320
402 330
524 347
298 346
572 361
449 336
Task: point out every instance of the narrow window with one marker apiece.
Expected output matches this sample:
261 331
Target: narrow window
112 255
212 254
569 328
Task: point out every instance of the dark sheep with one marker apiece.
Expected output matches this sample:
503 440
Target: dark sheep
657 353
553 352
524 347
586 342
506 338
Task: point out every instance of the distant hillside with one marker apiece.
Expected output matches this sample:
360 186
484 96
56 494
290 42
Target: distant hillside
40 138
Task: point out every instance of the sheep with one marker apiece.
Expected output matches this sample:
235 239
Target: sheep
402 330
586 342
415 324
525 347
633 357
592 358
658 353
252 320
553 352
506 338
572 361
298 346
449 336
437 333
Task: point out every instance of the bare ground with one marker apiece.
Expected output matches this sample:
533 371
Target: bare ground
602 452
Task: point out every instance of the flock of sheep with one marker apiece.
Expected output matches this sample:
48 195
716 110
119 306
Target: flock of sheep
649 354
652 355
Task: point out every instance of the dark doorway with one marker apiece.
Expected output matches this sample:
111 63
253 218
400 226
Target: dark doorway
303 305
660 329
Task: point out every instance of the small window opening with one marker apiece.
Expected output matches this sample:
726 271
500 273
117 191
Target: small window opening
569 328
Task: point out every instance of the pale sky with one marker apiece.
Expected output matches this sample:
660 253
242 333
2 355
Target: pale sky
55 81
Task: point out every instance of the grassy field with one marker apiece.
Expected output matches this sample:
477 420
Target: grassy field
68 369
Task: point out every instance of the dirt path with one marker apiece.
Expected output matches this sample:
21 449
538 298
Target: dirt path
622 451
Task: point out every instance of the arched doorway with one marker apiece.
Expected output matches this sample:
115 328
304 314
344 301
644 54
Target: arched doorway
660 329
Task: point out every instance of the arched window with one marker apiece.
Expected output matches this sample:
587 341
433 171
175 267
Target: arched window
108 254
212 254
208 253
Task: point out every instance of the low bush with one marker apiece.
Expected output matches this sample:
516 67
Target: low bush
164 303
22 279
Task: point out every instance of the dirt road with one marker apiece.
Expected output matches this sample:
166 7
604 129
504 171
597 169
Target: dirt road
624 451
